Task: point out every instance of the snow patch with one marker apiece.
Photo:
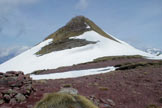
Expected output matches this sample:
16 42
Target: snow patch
88 27
74 74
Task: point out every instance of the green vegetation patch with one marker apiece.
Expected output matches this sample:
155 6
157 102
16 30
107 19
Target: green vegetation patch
127 66
64 100
65 44
152 106
103 88
75 27
37 72
116 58
67 85
101 59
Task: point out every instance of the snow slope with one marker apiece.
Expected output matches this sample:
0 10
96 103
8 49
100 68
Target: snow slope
73 74
29 62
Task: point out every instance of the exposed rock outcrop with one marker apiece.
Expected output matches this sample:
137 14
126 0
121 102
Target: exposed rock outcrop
15 87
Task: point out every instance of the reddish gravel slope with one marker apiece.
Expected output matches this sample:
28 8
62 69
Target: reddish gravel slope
132 88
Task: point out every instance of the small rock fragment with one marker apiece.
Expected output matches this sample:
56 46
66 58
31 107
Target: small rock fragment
111 102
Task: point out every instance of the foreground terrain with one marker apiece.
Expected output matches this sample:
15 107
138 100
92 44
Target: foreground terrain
137 83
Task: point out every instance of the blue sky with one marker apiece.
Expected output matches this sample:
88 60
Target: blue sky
24 23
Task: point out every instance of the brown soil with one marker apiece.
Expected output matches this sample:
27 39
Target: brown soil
132 88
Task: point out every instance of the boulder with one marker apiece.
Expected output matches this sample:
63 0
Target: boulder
69 90
20 97
7 98
111 102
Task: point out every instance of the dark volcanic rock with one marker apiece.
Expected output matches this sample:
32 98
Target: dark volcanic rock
7 97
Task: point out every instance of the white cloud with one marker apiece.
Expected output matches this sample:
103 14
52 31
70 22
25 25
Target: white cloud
82 4
13 50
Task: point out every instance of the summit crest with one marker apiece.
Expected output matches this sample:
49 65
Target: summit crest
75 27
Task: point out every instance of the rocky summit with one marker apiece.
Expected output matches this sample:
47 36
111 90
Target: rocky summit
75 27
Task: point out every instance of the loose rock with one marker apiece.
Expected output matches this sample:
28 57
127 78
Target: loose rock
13 101
69 90
111 102
20 97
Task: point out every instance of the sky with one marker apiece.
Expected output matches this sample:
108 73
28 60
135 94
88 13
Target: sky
24 23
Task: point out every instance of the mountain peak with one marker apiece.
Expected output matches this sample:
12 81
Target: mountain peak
63 38
78 22
75 27
79 41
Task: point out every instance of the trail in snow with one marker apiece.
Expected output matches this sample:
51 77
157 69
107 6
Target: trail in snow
74 74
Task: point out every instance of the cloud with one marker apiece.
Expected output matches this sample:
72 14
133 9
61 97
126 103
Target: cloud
12 51
82 4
